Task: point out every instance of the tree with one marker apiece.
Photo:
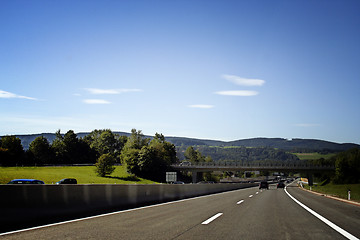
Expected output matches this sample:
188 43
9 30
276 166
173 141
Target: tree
41 151
148 159
195 156
130 153
12 152
71 143
155 159
105 141
136 140
58 147
71 150
130 158
165 150
190 154
105 165
347 166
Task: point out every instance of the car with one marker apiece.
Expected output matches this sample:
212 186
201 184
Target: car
280 185
26 181
185 163
264 185
67 181
178 182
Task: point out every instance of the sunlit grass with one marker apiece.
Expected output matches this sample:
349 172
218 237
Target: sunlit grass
313 156
83 174
338 190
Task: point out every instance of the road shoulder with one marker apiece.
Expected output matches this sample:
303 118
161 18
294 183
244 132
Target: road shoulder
330 196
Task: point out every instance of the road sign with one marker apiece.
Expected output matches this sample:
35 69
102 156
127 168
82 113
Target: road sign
170 176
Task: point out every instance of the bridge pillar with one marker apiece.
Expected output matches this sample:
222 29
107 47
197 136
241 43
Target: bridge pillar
194 176
310 179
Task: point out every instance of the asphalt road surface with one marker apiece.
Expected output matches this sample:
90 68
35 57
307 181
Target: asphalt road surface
242 214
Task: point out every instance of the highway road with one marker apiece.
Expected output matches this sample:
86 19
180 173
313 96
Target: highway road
241 214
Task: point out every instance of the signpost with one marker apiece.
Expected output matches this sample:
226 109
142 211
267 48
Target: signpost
171 177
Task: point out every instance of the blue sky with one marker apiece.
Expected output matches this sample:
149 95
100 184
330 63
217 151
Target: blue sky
222 70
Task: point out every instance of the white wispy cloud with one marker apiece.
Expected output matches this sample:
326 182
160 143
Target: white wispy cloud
242 93
204 106
96 101
111 91
4 94
244 81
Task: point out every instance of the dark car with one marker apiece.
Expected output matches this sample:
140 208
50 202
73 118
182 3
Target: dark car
264 185
280 185
26 181
178 182
185 163
67 181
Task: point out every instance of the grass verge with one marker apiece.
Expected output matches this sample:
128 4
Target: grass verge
338 190
83 174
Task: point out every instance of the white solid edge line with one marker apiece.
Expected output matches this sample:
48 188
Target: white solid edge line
113 213
212 219
330 224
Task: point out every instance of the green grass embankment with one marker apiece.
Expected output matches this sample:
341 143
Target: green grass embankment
338 190
83 174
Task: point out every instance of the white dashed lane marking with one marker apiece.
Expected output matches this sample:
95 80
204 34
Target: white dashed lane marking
240 202
211 219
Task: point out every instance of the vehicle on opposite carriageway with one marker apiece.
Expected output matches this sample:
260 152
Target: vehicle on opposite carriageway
264 184
67 181
26 181
280 185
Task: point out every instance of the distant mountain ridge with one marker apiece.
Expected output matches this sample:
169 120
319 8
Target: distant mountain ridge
280 143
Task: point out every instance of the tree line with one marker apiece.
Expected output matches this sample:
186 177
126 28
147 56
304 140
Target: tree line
144 157
244 154
150 158
347 167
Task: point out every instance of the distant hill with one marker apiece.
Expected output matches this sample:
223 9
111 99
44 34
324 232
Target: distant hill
295 145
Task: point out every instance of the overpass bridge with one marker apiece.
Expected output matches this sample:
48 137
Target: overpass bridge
234 167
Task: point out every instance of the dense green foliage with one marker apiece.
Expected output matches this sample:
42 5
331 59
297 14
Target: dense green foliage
293 145
142 156
105 165
148 159
105 141
242 154
11 151
347 167
195 156
40 151
69 149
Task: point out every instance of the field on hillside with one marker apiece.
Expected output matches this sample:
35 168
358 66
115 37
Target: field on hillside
83 174
314 156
